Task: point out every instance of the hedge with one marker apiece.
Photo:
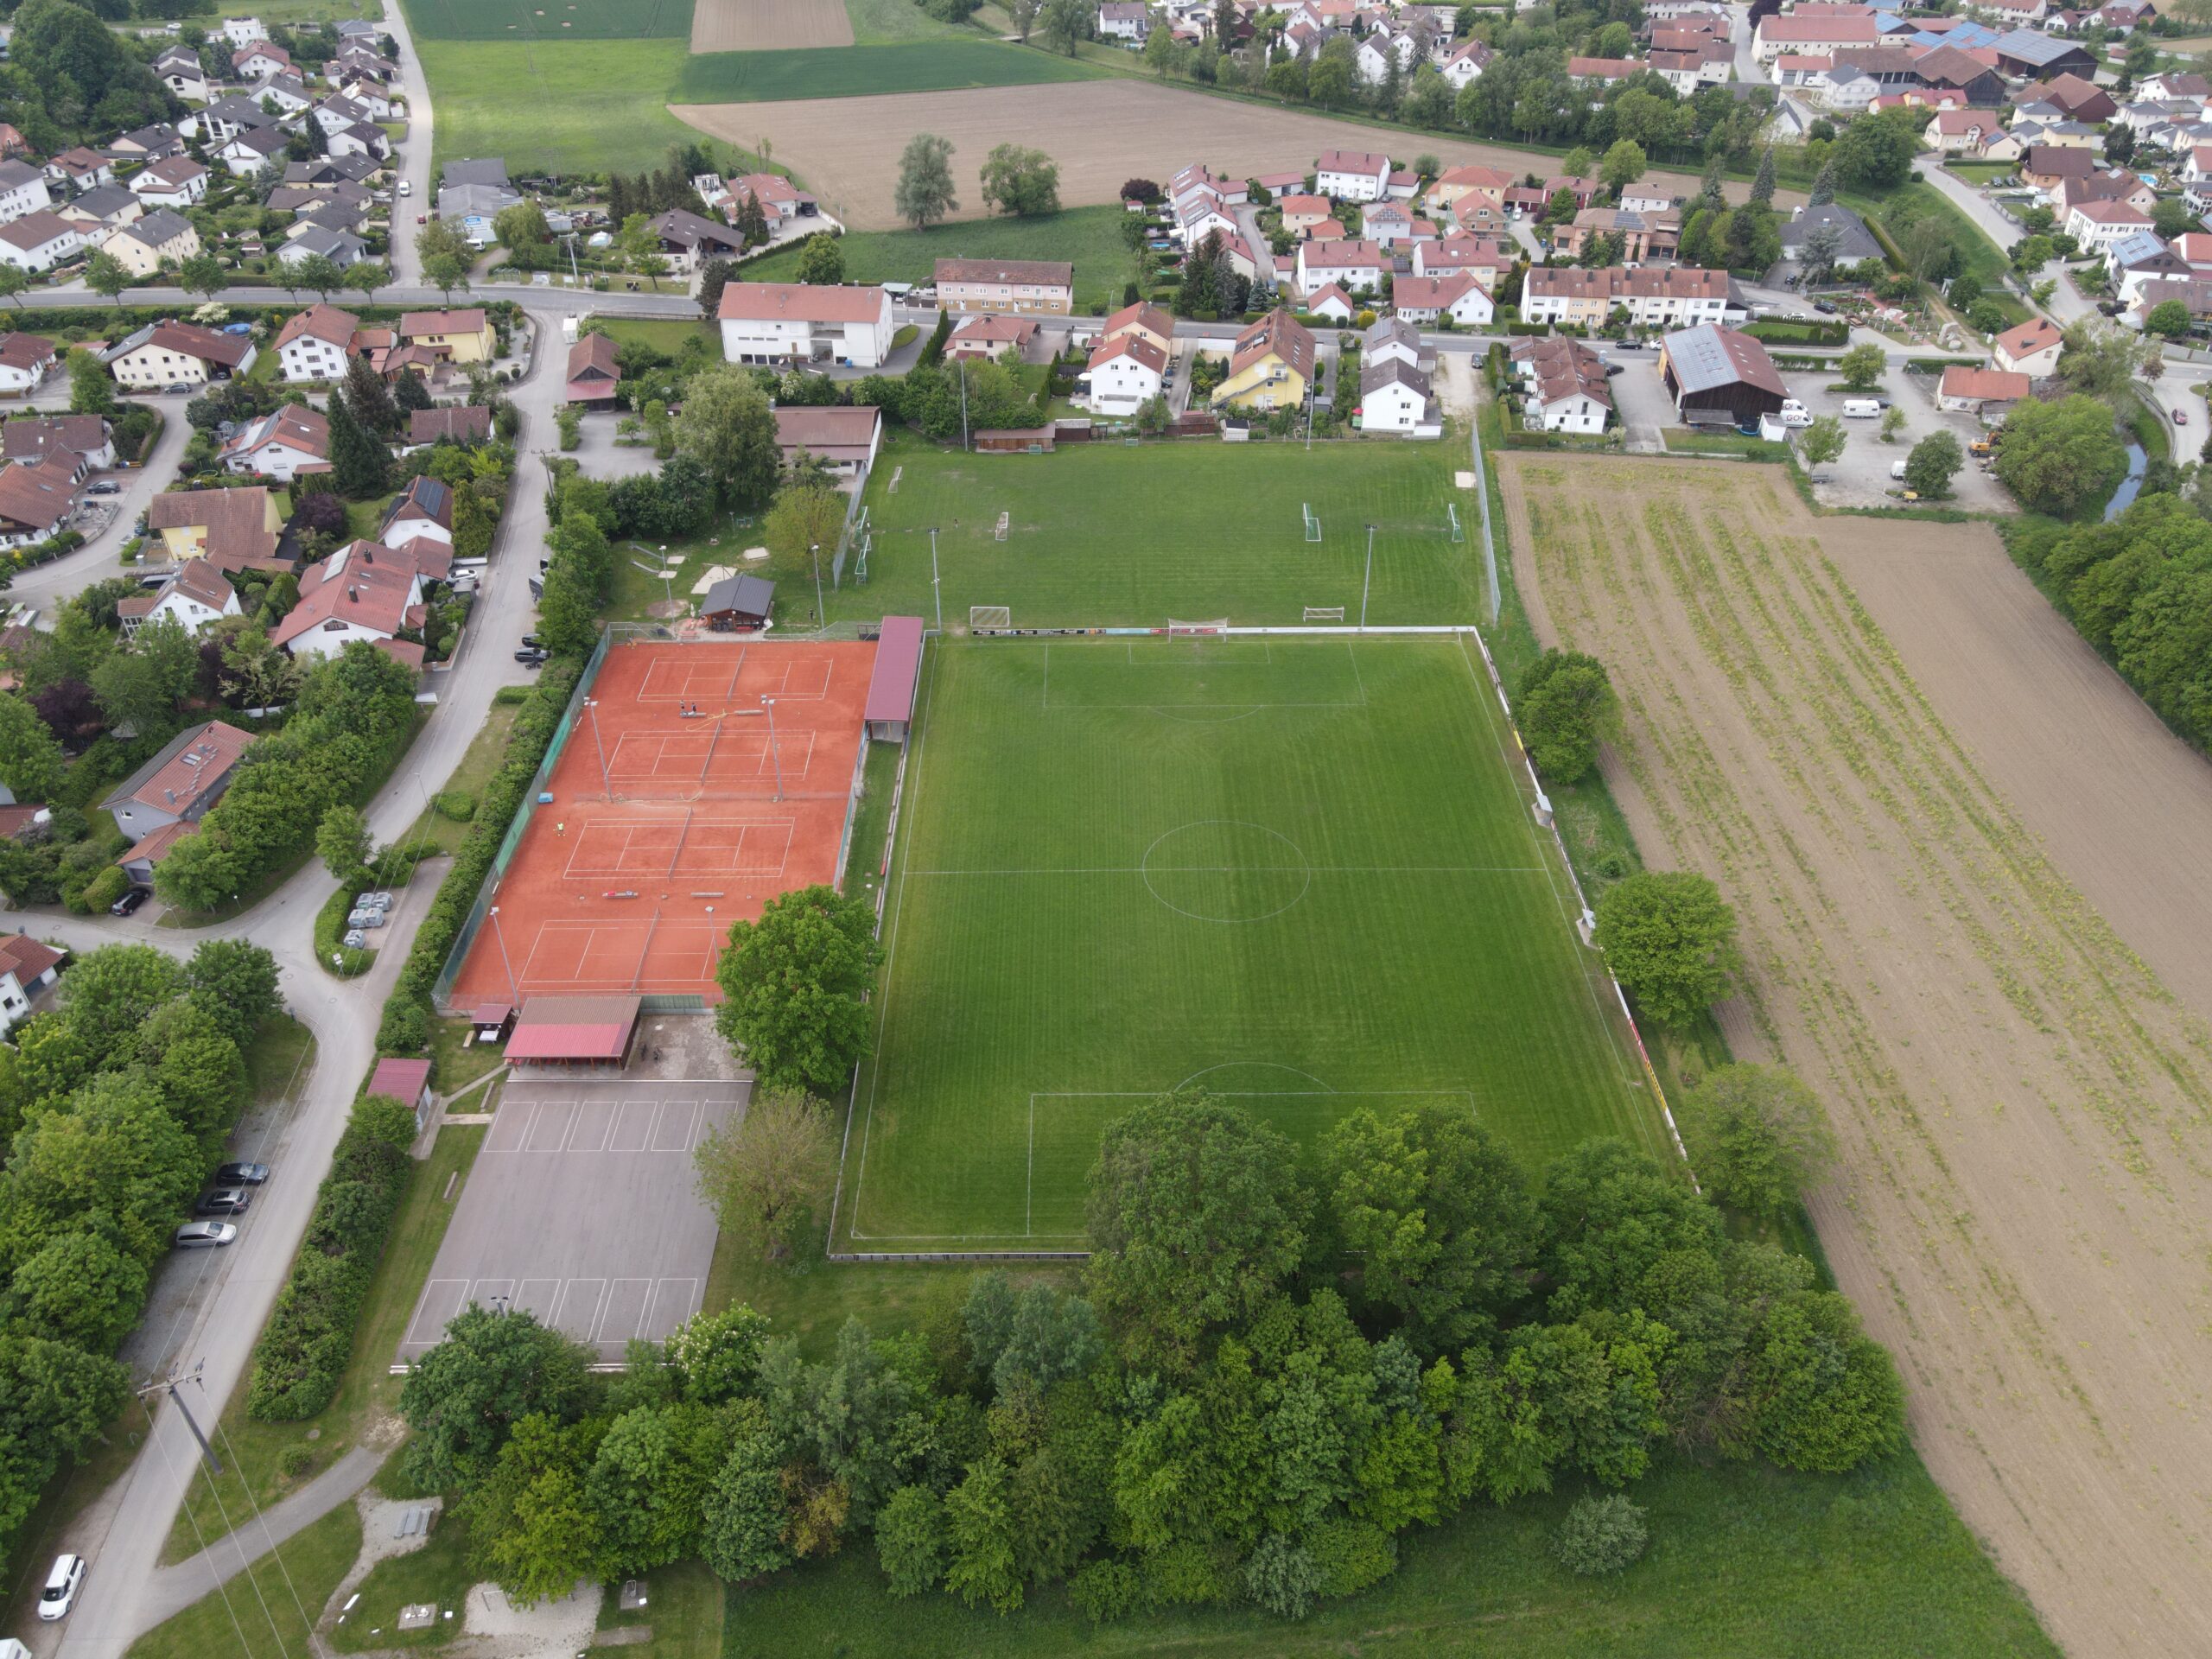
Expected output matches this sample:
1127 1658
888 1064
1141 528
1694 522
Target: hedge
406 1026
1797 330
302 1354
332 954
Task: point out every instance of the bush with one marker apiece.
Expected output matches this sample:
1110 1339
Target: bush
296 1460
1600 1535
1351 1554
458 805
1107 1590
303 1351
104 889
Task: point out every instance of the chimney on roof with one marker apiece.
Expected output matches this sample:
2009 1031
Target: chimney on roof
352 592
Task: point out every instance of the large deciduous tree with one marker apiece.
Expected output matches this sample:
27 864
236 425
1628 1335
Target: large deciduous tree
924 193
793 984
1441 1221
1021 181
728 427
760 1172
464 1395
1564 709
1196 1215
1670 939
2056 457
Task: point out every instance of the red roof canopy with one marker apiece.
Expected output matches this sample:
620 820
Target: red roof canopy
897 659
403 1080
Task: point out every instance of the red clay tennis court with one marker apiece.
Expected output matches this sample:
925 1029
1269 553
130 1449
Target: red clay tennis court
664 825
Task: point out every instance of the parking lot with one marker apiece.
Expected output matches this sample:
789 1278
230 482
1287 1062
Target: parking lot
582 1209
1861 478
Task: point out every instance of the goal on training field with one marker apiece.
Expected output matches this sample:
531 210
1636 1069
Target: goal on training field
1452 509
1196 630
989 616
1000 534
1325 612
1313 524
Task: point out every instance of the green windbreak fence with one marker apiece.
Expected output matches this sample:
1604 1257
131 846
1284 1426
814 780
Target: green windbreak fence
441 993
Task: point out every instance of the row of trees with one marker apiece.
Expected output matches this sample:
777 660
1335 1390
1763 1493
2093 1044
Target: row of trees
1271 1376
1015 180
115 1107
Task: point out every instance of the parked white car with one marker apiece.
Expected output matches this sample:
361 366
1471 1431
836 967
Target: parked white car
61 1585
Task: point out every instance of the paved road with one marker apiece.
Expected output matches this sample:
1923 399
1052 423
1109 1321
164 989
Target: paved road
414 155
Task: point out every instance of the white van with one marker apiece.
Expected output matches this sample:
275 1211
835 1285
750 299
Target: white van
1896 468
1862 409
1794 413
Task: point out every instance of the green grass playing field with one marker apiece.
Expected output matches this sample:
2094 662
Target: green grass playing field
547 20
1105 534
1089 238
1297 870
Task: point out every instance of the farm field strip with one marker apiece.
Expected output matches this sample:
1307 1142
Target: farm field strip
768 25
847 148
1300 873
554 19
2026 1210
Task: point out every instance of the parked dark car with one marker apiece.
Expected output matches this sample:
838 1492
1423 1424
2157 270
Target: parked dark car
532 657
241 1175
128 903
222 1201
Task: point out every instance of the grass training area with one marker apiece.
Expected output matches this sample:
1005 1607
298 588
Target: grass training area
673 815
1105 535
1301 872
1088 238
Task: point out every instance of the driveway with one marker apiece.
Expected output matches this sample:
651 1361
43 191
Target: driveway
1640 398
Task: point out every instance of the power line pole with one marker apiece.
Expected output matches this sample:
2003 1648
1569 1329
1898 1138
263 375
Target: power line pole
170 1386
774 754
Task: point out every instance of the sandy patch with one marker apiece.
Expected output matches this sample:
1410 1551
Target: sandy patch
768 25
1100 132
2024 1211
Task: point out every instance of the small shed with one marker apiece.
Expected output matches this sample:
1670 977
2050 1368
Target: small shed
890 686
491 1021
408 1082
738 602
593 1032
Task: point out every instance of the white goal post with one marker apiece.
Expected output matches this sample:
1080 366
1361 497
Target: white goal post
1196 630
1313 523
989 616
1325 612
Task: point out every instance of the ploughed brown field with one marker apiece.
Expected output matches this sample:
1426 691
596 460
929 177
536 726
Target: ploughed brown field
1969 869
768 25
846 150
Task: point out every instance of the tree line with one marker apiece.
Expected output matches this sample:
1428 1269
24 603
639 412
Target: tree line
1277 1366
115 1106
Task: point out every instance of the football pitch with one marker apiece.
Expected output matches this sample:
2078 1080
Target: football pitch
1299 872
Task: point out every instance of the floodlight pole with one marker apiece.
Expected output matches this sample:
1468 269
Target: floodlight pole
820 620
1368 581
606 782
514 994
936 589
774 754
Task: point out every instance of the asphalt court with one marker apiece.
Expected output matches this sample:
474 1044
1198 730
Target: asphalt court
582 1209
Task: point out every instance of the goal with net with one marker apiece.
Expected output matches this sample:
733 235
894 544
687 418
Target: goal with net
989 616
1313 523
1325 612
1196 630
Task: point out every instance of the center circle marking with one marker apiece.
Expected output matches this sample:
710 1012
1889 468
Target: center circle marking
1226 870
